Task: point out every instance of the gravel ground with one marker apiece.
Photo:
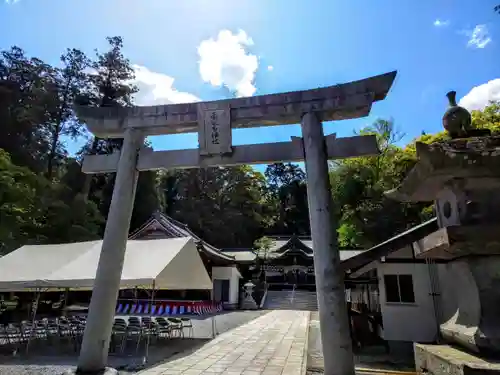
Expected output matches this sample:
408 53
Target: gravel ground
37 364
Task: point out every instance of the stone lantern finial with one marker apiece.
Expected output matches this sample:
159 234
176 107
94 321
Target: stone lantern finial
452 98
456 120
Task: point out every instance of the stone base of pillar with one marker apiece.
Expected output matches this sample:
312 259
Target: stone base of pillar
106 371
446 359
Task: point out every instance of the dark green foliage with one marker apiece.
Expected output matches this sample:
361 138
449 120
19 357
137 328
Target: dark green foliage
287 196
222 205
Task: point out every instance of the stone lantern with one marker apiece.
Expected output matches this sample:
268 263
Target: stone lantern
462 177
248 302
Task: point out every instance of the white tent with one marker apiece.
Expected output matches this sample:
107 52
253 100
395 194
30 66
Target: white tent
165 263
29 266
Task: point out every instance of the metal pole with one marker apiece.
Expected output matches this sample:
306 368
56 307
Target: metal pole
148 337
334 325
212 297
33 318
95 346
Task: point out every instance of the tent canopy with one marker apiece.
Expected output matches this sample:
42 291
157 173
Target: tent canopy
165 263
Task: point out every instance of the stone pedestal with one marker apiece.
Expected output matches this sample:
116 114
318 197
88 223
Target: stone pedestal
446 360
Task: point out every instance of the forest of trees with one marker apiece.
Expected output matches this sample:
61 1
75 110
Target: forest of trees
44 197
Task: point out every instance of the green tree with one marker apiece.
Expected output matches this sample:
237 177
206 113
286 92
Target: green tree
263 246
287 199
69 83
110 86
34 209
366 216
146 200
17 202
222 205
167 187
25 93
488 118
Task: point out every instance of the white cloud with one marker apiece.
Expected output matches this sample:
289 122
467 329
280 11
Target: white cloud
441 23
157 88
226 61
270 67
480 96
479 37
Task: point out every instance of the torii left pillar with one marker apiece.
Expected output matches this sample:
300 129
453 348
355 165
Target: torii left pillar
95 346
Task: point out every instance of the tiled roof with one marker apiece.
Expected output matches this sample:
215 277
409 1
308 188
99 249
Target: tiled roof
172 228
282 245
392 244
241 255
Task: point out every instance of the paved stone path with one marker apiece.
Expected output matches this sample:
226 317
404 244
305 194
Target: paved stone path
274 344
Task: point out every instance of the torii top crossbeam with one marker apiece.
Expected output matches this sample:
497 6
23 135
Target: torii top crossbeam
339 102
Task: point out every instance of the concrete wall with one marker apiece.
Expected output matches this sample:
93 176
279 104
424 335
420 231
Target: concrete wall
408 321
232 274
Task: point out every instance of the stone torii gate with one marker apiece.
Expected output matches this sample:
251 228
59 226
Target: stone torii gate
214 121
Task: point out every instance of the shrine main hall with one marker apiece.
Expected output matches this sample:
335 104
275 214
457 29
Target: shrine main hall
286 264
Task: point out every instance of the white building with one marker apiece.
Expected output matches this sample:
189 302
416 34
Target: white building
414 293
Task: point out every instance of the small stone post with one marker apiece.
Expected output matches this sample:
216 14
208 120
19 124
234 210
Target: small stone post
94 351
334 324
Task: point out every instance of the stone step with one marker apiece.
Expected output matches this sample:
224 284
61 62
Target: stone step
289 300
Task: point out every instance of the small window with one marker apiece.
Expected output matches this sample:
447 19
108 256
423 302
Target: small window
399 288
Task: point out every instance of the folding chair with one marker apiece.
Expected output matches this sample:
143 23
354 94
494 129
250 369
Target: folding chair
176 325
120 322
187 323
52 330
118 338
133 320
14 337
134 333
163 328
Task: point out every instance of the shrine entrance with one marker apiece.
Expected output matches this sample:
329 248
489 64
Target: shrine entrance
214 121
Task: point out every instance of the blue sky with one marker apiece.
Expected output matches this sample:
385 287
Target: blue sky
185 50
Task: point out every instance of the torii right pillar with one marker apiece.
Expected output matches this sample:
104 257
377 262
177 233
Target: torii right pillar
334 326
